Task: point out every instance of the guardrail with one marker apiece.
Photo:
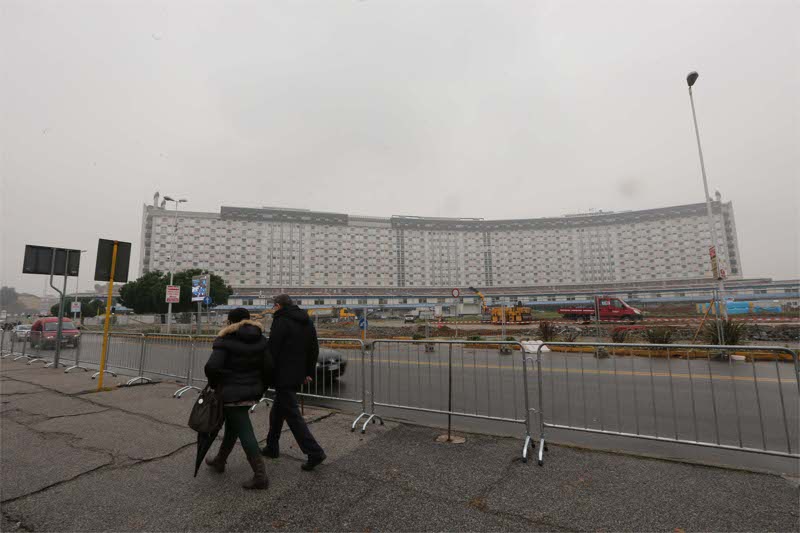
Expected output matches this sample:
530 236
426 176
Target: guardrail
688 394
744 398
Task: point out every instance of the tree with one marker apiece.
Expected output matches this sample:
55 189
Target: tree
8 297
90 307
146 295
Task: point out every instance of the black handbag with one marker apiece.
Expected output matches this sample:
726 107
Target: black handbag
206 415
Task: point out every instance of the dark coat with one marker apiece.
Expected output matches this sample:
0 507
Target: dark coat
293 346
238 362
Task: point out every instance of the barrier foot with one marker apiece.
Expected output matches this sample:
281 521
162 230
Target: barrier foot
263 399
20 357
51 364
94 376
525 447
372 419
36 360
73 367
355 422
137 378
179 392
542 449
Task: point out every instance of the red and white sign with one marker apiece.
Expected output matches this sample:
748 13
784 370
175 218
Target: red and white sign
173 294
456 293
75 307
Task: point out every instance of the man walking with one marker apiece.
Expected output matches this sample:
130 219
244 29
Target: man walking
294 349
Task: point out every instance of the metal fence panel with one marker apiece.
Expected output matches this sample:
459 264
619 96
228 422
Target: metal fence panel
478 379
743 398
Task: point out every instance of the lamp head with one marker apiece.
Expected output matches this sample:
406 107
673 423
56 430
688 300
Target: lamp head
691 78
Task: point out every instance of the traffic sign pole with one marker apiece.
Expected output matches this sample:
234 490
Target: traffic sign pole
108 317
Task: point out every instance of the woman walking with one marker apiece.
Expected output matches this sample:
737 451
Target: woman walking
237 368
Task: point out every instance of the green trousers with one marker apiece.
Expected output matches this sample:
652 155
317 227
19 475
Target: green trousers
237 425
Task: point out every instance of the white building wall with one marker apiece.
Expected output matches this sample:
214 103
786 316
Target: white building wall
372 253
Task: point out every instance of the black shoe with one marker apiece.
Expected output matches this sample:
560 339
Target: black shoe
312 462
272 453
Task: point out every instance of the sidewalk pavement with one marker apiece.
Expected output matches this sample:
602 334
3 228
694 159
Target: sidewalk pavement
76 460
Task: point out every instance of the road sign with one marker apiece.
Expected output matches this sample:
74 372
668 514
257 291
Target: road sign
456 293
712 252
40 260
75 307
173 294
207 300
199 288
105 252
362 322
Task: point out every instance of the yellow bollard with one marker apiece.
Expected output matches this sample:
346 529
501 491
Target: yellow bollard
108 317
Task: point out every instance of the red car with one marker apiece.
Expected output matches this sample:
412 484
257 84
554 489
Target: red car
43 333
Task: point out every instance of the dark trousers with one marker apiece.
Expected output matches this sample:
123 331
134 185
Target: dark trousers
237 425
285 408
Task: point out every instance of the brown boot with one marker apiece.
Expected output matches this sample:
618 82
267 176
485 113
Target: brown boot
259 480
217 464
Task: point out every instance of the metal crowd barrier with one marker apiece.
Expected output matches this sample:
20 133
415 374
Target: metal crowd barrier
472 379
699 395
201 349
744 398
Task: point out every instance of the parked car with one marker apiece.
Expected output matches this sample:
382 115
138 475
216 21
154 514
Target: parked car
20 333
44 331
331 364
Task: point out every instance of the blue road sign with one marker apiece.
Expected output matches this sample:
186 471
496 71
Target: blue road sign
207 300
362 322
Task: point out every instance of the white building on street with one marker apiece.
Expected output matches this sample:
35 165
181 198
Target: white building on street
288 248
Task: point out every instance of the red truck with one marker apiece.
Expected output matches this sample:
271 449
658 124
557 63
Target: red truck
611 308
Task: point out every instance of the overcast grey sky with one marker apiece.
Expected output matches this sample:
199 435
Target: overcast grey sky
493 109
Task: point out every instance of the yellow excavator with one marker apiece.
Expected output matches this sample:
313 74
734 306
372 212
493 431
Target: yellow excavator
486 314
342 313
496 315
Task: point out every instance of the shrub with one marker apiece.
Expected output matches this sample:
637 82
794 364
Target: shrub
510 338
571 335
474 338
547 331
658 335
733 332
417 336
619 335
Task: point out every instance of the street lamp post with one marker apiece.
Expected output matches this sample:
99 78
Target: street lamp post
172 259
691 78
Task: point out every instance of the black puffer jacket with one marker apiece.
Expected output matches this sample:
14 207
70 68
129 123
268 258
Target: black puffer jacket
293 346
239 362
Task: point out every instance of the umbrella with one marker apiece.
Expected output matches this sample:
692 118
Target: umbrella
204 442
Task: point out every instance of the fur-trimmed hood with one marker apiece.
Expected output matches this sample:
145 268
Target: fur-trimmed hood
233 328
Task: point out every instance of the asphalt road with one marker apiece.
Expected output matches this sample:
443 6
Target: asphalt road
696 400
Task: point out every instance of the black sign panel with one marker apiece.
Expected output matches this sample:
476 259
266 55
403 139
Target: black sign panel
39 260
105 251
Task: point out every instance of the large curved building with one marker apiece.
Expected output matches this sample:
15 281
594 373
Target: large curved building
272 248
